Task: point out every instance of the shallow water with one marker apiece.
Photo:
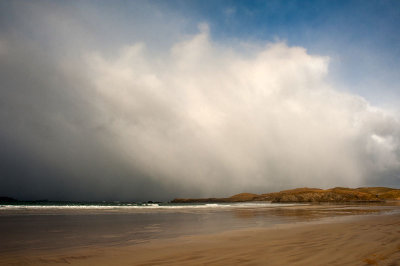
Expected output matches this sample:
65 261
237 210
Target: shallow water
54 226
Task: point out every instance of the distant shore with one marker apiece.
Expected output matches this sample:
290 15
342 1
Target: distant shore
337 194
360 240
298 195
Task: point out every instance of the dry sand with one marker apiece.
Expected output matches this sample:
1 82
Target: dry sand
364 240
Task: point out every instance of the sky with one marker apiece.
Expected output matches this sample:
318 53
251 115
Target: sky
153 100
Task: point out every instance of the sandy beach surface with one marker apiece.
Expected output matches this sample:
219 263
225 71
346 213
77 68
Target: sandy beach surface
356 240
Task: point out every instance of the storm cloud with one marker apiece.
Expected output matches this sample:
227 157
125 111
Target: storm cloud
85 117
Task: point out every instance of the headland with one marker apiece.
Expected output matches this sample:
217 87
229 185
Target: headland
334 195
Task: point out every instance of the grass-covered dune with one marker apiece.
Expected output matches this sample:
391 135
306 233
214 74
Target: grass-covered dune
337 194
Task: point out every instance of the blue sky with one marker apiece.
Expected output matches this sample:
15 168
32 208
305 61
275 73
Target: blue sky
361 37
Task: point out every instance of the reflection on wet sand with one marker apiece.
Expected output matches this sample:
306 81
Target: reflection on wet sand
308 212
47 231
366 239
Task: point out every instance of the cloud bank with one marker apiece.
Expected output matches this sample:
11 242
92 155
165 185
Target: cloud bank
220 120
195 118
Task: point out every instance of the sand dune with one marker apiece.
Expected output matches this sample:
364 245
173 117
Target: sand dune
337 194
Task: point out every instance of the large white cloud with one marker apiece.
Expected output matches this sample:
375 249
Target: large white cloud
224 120
103 104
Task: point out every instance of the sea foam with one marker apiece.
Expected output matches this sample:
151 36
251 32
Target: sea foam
143 206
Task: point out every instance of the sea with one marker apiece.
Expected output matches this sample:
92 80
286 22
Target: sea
43 226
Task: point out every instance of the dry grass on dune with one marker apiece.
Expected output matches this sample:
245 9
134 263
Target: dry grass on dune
337 194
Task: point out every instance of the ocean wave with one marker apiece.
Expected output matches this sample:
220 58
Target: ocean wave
143 206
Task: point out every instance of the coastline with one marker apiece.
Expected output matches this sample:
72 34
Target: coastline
354 240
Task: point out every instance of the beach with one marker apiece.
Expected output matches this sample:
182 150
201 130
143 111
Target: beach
361 236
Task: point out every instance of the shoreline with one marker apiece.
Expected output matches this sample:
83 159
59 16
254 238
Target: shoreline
356 240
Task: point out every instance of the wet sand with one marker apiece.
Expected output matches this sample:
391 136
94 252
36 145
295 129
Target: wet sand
355 240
